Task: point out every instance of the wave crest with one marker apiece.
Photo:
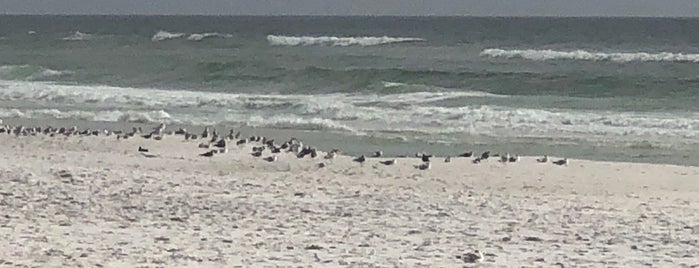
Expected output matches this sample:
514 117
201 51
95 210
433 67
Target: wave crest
163 35
202 36
77 36
544 55
29 73
281 40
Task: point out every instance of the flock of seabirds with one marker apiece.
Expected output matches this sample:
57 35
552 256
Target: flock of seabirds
218 144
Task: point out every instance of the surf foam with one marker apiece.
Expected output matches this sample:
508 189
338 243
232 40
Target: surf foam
544 55
282 40
29 73
202 36
163 35
77 36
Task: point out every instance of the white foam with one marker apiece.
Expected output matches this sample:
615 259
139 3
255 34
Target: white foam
544 55
163 35
78 36
281 40
29 72
202 36
418 112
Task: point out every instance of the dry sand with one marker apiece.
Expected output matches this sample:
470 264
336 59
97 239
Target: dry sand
97 202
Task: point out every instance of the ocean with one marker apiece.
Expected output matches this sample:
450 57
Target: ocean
623 89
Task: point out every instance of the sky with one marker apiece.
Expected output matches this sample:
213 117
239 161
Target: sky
643 8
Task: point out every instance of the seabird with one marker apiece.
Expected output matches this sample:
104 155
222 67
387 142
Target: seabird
544 159
485 155
424 166
231 134
426 157
505 158
271 158
223 150
513 159
361 159
209 153
466 154
477 160
471 257
221 143
275 150
331 154
561 162
447 159
389 162
377 154
256 153
187 136
204 145
147 136
205 133
242 141
143 150
181 131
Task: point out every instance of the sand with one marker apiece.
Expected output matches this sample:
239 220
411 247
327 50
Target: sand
97 202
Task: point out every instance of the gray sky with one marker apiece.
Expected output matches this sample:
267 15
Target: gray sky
665 8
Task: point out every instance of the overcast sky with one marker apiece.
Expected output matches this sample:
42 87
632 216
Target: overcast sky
654 8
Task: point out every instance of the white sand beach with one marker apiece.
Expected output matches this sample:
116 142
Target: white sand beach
86 201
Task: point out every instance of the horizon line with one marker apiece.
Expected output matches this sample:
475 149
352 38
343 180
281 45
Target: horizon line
347 16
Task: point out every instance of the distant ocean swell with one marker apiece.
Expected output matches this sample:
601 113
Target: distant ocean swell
406 112
544 55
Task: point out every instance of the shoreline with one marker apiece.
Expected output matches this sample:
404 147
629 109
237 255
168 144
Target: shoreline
357 145
87 200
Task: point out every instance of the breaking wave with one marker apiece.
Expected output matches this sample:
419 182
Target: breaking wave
29 73
417 112
544 55
163 35
202 36
77 36
281 40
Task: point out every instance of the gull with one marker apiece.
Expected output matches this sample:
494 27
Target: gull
389 162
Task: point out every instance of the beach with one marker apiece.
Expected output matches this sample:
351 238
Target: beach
95 201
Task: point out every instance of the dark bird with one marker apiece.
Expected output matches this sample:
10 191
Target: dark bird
561 162
543 159
256 153
424 166
377 154
477 160
143 150
447 159
209 153
485 155
360 159
275 150
271 158
426 157
147 136
221 143
241 141
466 154
389 162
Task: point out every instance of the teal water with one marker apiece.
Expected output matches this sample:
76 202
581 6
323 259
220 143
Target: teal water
599 88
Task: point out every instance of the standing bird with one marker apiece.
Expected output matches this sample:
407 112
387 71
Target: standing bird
377 154
485 155
361 159
544 159
447 159
426 157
